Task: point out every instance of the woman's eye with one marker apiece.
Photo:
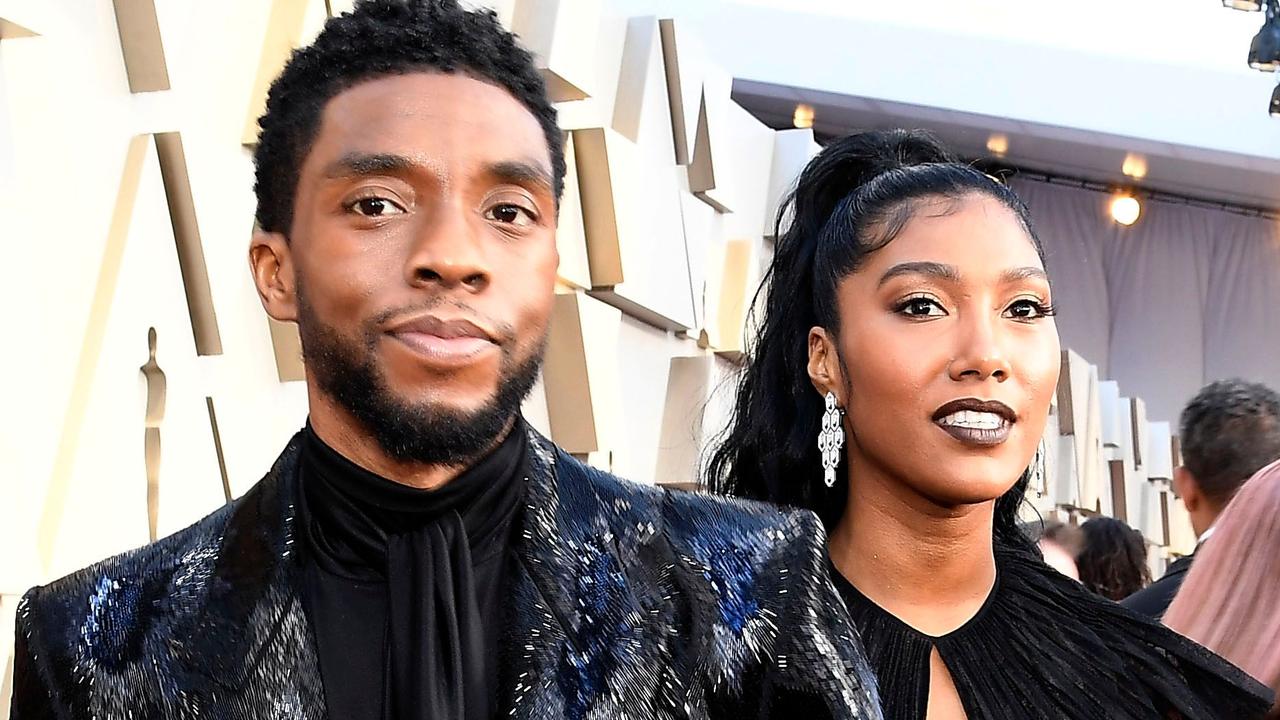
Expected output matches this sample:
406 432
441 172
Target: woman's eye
1029 310
375 207
510 214
921 307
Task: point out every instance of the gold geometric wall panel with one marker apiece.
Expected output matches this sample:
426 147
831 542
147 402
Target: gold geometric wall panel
287 345
141 45
737 285
580 373
217 448
186 232
709 175
10 30
682 60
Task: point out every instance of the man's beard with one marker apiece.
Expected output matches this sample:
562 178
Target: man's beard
410 431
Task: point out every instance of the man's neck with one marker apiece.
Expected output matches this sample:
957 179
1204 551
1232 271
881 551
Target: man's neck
931 567
340 431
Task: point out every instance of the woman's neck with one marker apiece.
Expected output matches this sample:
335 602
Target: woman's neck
930 566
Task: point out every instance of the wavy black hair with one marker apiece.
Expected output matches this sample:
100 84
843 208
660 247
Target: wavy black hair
1113 559
853 198
376 39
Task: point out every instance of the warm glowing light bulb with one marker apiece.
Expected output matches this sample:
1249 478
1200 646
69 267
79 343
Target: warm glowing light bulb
1125 209
803 117
998 144
1135 166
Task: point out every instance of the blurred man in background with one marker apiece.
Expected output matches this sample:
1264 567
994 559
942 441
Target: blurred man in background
1229 431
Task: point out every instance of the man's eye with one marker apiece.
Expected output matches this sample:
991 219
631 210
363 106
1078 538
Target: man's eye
375 207
510 214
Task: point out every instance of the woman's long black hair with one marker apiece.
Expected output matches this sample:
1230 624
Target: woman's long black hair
851 200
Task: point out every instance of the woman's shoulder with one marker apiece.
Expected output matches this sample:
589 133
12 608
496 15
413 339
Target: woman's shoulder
1079 631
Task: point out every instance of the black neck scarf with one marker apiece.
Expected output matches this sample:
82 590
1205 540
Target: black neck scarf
437 554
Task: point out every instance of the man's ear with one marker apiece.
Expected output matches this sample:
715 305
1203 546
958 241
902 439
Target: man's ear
271 262
1187 489
824 365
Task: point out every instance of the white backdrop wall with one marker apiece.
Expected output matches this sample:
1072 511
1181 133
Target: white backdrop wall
1185 296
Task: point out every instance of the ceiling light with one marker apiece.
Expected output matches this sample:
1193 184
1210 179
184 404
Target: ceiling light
1264 51
803 117
1135 166
1125 209
998 144
1250 5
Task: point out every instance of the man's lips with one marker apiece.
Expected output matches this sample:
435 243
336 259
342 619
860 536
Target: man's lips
443 341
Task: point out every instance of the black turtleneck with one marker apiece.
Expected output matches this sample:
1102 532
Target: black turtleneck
404 586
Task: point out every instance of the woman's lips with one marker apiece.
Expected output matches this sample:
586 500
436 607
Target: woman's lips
979 429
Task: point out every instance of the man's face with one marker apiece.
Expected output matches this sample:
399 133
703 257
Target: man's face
423 257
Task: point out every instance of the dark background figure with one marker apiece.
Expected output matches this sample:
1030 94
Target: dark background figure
1229 431
1113 559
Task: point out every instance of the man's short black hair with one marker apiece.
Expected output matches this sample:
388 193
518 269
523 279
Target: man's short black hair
1229 431
380 38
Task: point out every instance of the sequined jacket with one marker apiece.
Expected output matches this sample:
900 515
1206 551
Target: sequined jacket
628 601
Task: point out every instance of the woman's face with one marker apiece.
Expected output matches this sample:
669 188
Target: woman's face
949 358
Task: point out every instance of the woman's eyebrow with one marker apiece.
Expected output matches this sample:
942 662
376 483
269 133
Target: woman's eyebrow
931 269
1013 275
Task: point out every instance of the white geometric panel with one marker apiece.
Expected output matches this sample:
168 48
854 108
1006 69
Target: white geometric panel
698 403
561 34
148 293
749 164
640 111
792 150
1160 451
704 237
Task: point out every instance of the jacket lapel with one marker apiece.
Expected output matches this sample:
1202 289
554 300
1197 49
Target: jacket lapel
253 649
594 607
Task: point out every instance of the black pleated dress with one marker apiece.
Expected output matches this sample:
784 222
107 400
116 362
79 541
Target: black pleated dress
1042 646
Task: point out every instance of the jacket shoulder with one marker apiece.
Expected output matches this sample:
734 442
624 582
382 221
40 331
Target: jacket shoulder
687 515
101 605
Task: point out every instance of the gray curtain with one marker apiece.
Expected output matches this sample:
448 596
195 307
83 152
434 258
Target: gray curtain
1184 296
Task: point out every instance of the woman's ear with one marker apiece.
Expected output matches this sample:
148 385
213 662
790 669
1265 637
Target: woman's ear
824 364
271 262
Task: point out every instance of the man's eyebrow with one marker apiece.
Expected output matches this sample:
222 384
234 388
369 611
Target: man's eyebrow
932 269
520 172
358 164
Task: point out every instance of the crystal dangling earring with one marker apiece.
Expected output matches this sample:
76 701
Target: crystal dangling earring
831 439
